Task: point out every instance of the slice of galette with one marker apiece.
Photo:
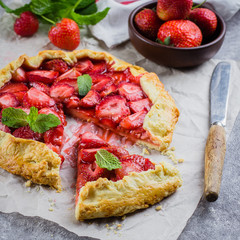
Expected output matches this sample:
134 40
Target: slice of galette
111 182
88 85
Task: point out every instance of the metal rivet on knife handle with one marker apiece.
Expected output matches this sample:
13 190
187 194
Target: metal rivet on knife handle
214 159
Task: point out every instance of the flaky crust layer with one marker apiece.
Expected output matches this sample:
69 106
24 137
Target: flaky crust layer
30 159
105 198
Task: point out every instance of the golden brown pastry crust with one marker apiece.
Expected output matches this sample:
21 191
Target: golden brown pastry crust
105 198
159 122
30 159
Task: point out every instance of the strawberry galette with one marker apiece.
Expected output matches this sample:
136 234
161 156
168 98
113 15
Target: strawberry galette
36 93
111 182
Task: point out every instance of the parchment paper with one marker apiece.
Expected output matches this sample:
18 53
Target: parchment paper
190 89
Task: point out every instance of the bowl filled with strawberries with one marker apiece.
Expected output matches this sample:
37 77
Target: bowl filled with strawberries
176 33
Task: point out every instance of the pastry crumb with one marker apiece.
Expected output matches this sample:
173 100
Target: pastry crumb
37 188
181 160
158 208
119 226
115 232
69 208
124 217
50 209
28 183
145 151
172 148
170 154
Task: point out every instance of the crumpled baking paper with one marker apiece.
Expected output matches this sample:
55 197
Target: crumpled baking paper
189 88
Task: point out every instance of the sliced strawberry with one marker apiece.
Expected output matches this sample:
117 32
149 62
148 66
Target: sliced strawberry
118 151
72 102
111 89
61 91
99 67
54 136
113 108
137 106
127 167
81 113
96 77
48 111
27 133
8 100
37 98
131 91
91 99
19 96
133 121
90 140
40 86
4 128
72 73
13 87
54 148
143 162
118 77
103 84
19 75
43 76
57 65
89 172
84 65
131 78
108 123
71 82
59 109
87 155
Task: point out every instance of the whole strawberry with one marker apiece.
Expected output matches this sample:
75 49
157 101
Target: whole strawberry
182 33
26 25
148 23
173 9
205 19
65 35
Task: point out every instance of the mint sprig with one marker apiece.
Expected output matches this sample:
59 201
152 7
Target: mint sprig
40 123
105 159
84 84
83 12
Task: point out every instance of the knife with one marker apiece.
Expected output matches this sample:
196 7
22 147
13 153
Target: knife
216 141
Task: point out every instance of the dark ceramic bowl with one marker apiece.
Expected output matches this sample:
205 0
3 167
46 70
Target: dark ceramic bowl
173 56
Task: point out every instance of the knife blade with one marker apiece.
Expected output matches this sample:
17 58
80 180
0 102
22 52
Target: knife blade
216 141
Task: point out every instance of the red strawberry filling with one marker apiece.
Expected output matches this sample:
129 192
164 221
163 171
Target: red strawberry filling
115 101
88 170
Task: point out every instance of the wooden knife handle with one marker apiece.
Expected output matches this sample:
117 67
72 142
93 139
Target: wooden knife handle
214 159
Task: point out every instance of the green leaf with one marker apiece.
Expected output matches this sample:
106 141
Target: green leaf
167 41
32 116
89 19
84 84
91 9
14 117
44 122
105 159
41 7
84 3
16 11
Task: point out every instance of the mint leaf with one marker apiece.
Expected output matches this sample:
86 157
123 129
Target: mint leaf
89 19
84 84
14 117
44 122
16 11
32 116
105 159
